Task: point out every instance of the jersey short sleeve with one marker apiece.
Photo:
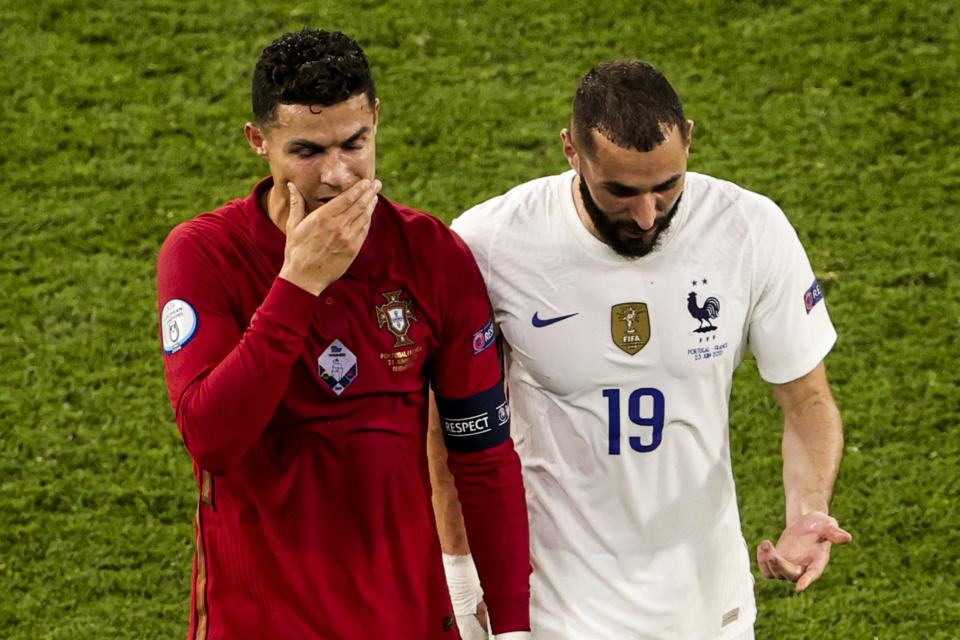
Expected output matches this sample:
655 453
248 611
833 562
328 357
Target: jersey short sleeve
790 331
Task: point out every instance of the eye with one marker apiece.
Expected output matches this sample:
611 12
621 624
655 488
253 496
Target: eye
666 186
620 192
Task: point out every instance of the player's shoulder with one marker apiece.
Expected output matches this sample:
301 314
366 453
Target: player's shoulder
737 206
515 206
420 233
718 193
208 230
519 212
416 226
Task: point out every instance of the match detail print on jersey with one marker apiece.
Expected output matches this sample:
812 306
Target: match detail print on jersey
337 366
630 326
178 323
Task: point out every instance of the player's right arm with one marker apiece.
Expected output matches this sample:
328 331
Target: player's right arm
226 380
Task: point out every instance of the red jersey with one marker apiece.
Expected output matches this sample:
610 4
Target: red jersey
306 420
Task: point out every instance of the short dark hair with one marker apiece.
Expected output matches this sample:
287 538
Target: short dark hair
629 102
312 67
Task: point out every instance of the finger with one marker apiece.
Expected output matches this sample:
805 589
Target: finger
764 553
297 212
813 572
776 565
361 213
482 614
345 200
784 568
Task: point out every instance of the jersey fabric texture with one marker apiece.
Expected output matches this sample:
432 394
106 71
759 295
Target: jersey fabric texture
619 374
306 420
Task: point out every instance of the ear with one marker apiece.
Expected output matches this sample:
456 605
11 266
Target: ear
256 138
686 143
376 114
569 150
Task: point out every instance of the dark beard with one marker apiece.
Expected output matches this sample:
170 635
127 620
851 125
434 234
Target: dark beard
609 230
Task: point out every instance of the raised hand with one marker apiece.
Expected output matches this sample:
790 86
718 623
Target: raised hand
322 244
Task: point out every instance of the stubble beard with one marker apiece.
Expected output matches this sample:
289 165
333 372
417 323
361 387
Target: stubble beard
609 230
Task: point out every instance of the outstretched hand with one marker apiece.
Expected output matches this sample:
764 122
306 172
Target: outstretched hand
803 550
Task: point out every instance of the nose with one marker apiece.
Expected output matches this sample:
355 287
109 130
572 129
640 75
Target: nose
643 210
335 170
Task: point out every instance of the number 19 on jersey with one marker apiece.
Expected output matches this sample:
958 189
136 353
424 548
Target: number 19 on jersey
644 408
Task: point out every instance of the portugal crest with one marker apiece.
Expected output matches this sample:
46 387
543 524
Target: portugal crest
630 326
396 314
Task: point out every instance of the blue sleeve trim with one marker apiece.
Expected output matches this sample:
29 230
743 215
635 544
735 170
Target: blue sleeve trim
475 423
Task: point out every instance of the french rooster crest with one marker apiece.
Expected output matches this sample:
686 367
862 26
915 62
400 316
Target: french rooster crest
706 313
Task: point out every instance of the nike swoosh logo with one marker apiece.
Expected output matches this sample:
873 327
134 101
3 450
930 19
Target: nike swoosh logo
544 322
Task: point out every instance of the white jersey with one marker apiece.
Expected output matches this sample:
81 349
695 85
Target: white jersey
619 375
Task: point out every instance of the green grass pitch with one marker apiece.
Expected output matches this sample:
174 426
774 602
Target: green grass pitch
121 119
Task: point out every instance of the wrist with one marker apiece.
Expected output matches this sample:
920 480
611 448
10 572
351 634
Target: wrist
463 583
297 280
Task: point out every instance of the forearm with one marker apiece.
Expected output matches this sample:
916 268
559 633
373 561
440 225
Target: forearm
812 449
446 504
495 515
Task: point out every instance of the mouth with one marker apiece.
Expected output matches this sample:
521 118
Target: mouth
636 233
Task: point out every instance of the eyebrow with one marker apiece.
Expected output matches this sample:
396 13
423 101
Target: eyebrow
303 143
626 190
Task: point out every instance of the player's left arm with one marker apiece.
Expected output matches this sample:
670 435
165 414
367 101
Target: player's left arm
812 448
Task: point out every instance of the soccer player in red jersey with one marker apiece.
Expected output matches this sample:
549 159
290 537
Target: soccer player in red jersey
302 327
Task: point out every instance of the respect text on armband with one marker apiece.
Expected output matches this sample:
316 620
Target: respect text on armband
476 425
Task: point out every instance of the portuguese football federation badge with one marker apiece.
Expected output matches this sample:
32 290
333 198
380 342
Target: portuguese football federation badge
396 315
630 326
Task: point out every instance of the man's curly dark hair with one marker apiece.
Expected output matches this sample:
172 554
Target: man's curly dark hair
311 67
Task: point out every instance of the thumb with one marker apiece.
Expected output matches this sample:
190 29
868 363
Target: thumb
297 210
836 535
765 549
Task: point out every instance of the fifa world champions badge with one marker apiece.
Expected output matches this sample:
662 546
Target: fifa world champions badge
630 326
396 314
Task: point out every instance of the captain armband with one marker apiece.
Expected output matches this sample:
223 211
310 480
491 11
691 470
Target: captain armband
475 423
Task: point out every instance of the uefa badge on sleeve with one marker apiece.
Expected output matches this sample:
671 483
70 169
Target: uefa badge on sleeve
178 324
812 296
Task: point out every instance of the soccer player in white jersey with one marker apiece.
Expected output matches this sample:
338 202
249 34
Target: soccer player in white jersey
626 292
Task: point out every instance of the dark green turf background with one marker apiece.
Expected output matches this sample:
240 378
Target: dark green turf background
120 119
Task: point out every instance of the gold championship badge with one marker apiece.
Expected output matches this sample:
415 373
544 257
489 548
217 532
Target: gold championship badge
630 326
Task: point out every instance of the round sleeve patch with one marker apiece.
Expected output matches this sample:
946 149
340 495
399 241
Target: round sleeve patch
178 324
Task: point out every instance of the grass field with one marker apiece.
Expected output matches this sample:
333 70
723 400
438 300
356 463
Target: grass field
122 119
